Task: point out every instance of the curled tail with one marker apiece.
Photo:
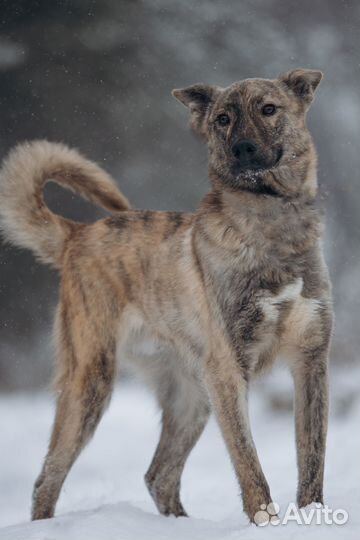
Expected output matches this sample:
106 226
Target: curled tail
25 220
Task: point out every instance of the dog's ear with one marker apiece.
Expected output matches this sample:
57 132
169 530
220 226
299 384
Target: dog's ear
302 83
198 98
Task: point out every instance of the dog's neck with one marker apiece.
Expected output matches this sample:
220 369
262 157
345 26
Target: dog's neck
265 223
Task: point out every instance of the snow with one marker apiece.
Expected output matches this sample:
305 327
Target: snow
105 496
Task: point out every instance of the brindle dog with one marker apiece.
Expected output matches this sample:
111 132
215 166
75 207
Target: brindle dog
197 303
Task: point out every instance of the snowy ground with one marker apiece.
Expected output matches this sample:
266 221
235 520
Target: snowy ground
105 497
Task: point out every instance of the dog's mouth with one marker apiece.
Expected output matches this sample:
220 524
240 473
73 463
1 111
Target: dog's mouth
258 186
259 178
254 182
253 178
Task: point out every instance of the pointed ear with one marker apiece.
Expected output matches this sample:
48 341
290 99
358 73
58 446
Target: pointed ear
198 98
302 82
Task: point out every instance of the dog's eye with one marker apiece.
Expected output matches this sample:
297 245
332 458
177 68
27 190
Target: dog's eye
269 109
223 119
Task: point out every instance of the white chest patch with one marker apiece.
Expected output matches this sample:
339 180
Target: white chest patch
303 313
270 305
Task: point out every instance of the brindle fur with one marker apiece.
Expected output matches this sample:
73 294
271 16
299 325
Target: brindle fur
196 303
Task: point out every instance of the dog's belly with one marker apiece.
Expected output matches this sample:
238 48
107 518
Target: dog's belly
154 359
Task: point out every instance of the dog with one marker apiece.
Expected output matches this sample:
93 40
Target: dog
198 304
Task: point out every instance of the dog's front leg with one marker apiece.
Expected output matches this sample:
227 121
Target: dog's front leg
228 391
311 416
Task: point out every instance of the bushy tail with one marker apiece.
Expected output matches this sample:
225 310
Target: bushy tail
25 220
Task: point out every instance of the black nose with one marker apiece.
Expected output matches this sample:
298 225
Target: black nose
244 150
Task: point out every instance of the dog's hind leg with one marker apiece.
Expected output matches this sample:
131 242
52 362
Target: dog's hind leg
84 389
185 411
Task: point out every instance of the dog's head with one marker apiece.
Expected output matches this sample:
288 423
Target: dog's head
256 132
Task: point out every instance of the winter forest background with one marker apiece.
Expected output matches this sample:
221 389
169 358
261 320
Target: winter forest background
98 74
